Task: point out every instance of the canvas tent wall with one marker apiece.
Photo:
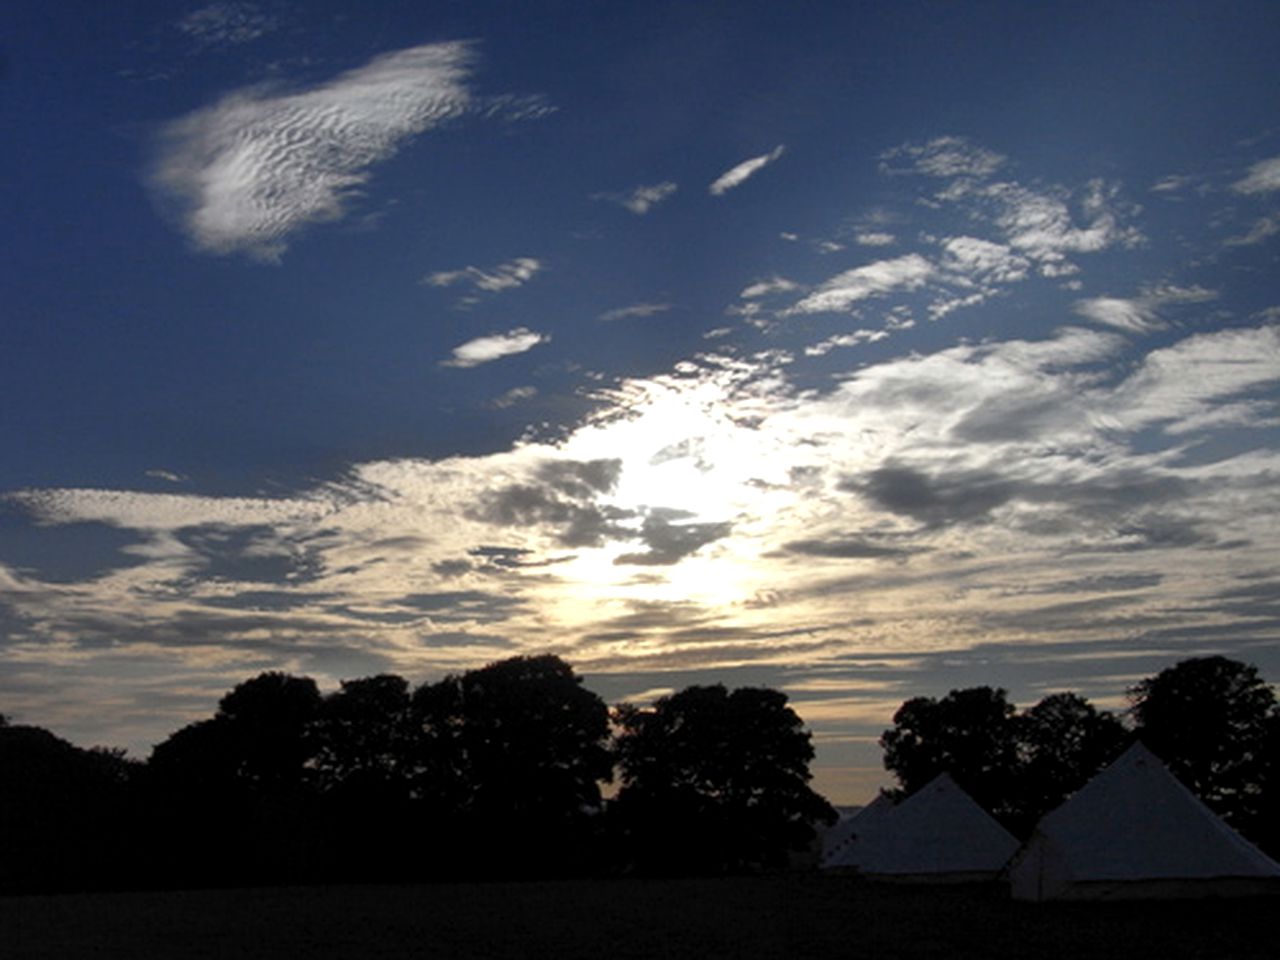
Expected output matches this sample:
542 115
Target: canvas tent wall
937 835
1134 831
839 835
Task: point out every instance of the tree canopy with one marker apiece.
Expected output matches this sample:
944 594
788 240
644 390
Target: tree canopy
1213 720
1016 765
968 733
713 779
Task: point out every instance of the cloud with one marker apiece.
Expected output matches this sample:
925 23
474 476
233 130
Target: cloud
1196 376
670 537
974 260
739 174
942 157
560 495
934 501
1173 183
505 276
1036 223
845 548
262 163
843 290
875 238
634 311
227 24
1263 177
764 288
640 200
845 340
1263 229
1041 225
494 347
1140 314
515 395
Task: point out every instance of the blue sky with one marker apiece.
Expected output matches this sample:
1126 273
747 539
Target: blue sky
861 350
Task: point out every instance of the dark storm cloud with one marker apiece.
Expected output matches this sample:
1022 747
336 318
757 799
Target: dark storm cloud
563 498
252 553
501 556
645 616
581 479
452 568
944 499
1109 610
669 542
1152 531
1103 583
461 605
494 561
1016 419
846 548
934 501
208 626
267 600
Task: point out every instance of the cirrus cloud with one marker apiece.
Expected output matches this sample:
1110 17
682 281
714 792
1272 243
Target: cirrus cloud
494 347
1263 177
742 172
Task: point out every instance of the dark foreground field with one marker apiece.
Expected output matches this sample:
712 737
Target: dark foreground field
784 916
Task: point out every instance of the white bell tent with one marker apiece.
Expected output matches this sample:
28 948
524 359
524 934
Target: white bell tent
937 835
1134 831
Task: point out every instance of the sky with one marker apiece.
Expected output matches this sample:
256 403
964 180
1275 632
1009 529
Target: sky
860 350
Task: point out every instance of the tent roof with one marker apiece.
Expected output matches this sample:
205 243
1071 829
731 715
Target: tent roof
837 838
939 829
1136 821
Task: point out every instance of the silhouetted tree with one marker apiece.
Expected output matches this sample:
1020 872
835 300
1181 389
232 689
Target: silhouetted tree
969 734
361 737
1212 721
202 758
230 794
272 715
67 815
1063 741
514 753
713 781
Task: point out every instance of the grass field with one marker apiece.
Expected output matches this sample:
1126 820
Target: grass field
794 916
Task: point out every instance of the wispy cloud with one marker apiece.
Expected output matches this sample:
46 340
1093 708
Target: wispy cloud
1140 314
1264 228
494 347
942 157
513 397
227 24
844 290
875 238
764 288
262 163
641 199
505 276
845 340
1173 183
1263 177
748 168
635 311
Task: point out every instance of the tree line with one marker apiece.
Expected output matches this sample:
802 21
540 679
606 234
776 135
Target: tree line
1214 721
494 772
498 772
